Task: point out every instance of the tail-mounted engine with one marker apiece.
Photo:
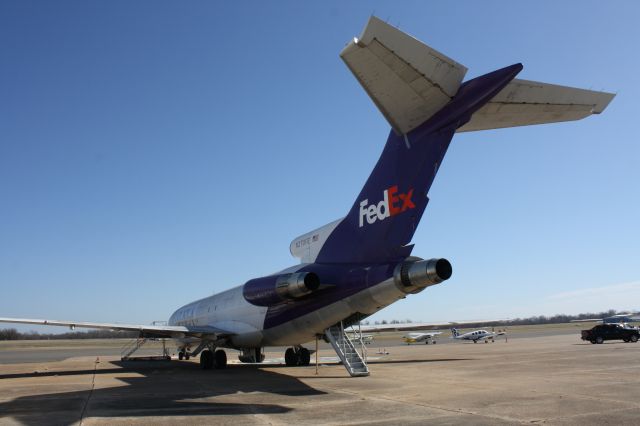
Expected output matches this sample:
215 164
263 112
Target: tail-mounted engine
414 276
267 291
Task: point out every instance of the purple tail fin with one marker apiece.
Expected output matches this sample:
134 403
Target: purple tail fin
384 217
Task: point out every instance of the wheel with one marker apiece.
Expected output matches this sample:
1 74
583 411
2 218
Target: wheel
625 340
258 355
220 359
593 341
599 340
434 342
180 355
304 356
187 356
426 342
475 341
206 360
634 338
290 357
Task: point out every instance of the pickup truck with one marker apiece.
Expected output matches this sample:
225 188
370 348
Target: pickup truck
600 333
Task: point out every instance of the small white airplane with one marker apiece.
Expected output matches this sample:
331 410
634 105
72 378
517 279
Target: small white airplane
367 339
421 337
476 335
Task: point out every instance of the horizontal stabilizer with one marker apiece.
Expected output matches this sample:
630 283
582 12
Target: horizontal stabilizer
406 79
523 102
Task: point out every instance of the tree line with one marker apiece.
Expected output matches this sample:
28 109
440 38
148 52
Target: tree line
13 334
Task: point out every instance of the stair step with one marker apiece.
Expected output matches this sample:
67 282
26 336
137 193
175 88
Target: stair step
347 352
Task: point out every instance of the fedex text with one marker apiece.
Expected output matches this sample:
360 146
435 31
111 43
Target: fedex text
392 203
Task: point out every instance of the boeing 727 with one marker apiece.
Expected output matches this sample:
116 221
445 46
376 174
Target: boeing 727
355 266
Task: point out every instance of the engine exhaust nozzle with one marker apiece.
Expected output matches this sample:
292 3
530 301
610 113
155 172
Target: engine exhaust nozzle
424 273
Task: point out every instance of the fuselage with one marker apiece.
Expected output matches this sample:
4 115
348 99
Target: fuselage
417 337
362 291
475 335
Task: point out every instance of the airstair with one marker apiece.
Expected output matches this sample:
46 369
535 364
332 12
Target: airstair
355 362
131 347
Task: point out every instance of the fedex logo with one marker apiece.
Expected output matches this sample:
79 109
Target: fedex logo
392 203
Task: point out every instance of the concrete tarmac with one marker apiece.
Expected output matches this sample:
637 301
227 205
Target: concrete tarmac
549 378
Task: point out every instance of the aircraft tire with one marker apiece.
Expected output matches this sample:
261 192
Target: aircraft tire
304 356
290 358
220 359
206 360
187 356
426 342
180 355
434 342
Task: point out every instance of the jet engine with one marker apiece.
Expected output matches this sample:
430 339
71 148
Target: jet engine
414 276
270 290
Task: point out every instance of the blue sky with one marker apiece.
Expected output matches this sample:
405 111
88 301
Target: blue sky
152 153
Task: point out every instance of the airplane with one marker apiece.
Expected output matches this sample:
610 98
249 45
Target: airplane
614 319
476 335
421 337
367 339
357 265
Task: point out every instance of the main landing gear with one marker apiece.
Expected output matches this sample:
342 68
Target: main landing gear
210 359
183 354
297 356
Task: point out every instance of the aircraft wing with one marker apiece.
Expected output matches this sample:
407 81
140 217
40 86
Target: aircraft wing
426 335
173 331
524 102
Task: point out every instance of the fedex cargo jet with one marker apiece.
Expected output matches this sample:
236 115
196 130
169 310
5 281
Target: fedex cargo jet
357 265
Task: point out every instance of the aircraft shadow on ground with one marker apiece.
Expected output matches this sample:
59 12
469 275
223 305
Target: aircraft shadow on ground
159 389
410 361
377 361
